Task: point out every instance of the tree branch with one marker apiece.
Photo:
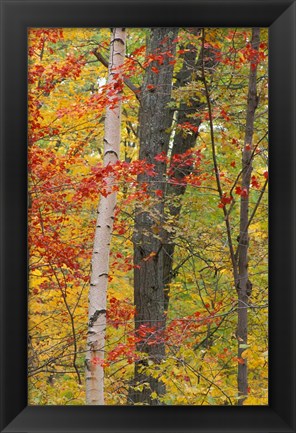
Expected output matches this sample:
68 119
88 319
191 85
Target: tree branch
216 169
126 81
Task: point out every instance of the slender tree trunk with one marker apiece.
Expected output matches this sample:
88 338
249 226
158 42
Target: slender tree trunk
243 284
100 259
240 259
155 120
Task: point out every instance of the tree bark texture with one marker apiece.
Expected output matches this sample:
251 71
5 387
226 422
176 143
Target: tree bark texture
243 284
155 119
182 142
100 258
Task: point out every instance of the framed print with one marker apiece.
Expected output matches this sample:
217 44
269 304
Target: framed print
170 330
148 209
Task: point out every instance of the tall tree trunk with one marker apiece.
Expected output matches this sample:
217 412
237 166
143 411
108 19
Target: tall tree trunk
155 120
100 258
174 191
243 284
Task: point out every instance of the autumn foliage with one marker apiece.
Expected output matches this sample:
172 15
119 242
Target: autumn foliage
67 98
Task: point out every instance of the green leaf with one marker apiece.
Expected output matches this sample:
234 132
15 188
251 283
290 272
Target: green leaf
211 400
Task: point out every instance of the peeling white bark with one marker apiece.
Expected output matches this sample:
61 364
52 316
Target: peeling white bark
100 259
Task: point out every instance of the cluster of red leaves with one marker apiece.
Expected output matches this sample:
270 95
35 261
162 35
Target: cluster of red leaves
254 182
179 162
36 132
192 180
243 192
162 157
120 312
158 58
177 331
150 335
47 78
51 192
239 360
119 173
123 350
182 328
224 114
224 200
114 90
237 57
254 56
132 64
43 79
138 194
38 38
121 262
225 354
188 127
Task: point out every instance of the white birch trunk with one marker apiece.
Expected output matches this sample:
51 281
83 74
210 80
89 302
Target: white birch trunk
100 258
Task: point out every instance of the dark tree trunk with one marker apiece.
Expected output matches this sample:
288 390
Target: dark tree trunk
181 143
187 112
155 118
243 284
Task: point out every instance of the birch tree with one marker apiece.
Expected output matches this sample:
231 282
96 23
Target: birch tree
100 258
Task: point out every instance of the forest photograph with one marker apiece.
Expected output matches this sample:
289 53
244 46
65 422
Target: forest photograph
148 216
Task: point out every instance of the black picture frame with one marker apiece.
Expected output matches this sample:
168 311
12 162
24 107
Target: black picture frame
16 17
